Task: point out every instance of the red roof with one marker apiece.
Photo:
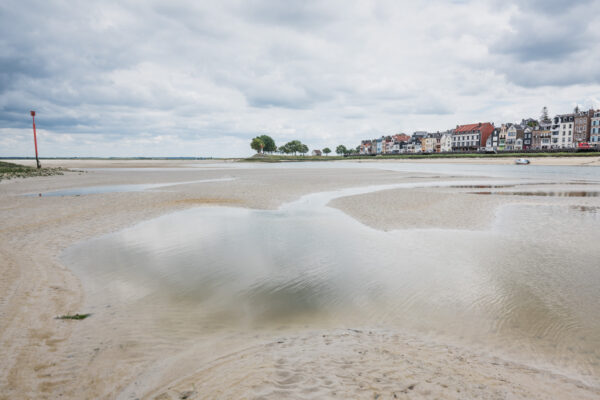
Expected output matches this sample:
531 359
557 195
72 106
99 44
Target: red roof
471 127
486 130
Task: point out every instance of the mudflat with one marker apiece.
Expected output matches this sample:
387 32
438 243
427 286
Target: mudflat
139 347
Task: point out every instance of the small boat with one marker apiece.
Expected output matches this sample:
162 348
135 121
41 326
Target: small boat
521 161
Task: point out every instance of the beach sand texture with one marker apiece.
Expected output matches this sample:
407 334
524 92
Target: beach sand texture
42 357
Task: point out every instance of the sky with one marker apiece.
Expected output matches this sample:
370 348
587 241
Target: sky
202 78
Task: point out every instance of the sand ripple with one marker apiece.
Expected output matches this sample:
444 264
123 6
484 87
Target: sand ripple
370 365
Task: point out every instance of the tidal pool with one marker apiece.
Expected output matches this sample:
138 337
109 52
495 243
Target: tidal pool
527 287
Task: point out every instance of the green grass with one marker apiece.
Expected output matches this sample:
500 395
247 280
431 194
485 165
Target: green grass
10 170
75 316
280 158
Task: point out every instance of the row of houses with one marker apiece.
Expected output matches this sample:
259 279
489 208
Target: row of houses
567 131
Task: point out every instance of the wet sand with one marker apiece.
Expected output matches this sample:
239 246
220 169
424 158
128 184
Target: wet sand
587 160
43 357
83 163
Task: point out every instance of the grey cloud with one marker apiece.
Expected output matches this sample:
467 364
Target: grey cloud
556 47
536 7
538 44
194 71
537 74
551 6
292 14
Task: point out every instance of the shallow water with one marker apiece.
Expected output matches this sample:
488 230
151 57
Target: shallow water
528 287
87 190
576 193
555 173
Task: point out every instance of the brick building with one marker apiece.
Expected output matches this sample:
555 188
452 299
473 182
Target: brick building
581 130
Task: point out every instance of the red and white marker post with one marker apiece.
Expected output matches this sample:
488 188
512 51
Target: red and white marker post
37 160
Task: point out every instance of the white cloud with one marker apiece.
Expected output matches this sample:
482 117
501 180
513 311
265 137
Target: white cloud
201 78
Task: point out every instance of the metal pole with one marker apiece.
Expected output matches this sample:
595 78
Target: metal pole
37 160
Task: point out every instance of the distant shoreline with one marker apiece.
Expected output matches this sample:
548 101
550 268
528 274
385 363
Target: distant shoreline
557 159
300 158
278 158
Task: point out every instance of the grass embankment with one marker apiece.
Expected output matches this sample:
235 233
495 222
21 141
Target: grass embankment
10 171
279 158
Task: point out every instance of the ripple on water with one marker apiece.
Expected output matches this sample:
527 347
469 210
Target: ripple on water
523 286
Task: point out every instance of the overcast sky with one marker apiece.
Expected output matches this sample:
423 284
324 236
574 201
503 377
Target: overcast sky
201 78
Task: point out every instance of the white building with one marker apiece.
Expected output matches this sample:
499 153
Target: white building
595 129
446 142
562 131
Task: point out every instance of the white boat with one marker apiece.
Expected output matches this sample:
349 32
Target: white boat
521 161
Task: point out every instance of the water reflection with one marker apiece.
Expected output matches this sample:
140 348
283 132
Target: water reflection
524 287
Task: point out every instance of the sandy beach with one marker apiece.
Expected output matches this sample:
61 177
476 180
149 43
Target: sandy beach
113 355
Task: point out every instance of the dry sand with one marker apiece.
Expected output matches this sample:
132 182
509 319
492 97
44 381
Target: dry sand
42 357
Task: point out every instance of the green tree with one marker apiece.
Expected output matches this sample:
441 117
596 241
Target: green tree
303 149
293 146
326 151
544 117
257 144
341 149
269 143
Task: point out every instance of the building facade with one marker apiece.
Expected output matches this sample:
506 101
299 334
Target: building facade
471 137
431 143
541 139
581 127
527 138
595 129
502 136
514 137
446 142
562 131
365 147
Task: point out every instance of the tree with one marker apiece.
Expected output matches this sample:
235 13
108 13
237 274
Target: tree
341 149
326 151
544 117
295 146
576 109
292 147
303 149
269 143
257 144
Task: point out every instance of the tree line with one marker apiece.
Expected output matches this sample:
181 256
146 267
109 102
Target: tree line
266 144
